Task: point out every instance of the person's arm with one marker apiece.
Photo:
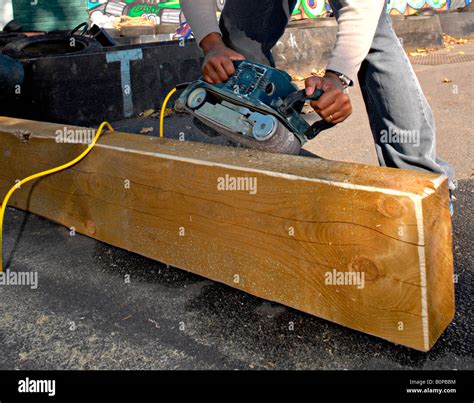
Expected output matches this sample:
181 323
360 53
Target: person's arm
357 23
201 16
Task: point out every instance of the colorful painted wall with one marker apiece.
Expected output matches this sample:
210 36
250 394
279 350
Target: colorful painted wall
49 15
408 7
103 12
319 8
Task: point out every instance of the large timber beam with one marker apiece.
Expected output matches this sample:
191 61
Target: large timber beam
366 247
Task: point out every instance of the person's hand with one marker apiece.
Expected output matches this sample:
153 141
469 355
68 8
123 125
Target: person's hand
218 66
334 106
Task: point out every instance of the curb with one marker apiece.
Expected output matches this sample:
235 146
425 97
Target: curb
458 24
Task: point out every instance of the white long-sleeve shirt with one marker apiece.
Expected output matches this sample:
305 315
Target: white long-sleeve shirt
357 22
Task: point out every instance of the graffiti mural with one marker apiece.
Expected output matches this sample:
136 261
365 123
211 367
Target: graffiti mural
311 9
320 8
409 7
105 12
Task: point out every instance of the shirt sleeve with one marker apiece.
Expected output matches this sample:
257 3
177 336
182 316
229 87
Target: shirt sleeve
357 23
201 16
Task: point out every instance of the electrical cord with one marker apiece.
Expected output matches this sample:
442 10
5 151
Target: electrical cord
163 111
179 87
72 162
44 173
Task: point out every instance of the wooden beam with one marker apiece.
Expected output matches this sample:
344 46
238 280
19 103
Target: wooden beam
291 234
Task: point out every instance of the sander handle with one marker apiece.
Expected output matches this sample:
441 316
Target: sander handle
296 101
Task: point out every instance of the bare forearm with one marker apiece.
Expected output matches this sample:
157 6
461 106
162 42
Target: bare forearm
211 41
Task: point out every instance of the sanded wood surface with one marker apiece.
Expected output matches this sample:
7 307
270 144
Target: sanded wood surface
306 218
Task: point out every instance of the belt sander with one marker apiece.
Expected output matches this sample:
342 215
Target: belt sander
258 107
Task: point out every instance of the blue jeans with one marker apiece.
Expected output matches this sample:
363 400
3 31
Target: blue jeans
400 117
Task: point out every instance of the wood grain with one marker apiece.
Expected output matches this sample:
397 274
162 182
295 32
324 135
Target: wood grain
308 217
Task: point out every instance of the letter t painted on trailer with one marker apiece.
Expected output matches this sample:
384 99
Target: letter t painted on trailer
125 57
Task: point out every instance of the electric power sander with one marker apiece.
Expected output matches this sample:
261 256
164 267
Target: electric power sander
258 107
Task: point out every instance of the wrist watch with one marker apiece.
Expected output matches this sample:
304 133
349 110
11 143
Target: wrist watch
346 81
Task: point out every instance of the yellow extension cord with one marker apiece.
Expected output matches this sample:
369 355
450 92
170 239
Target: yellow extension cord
163 110
66 166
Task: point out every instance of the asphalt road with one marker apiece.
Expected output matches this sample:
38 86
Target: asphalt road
84 315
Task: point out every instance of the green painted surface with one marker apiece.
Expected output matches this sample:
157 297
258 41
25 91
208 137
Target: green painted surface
49 15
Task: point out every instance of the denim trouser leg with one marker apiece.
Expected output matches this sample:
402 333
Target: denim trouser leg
401 120
400 117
